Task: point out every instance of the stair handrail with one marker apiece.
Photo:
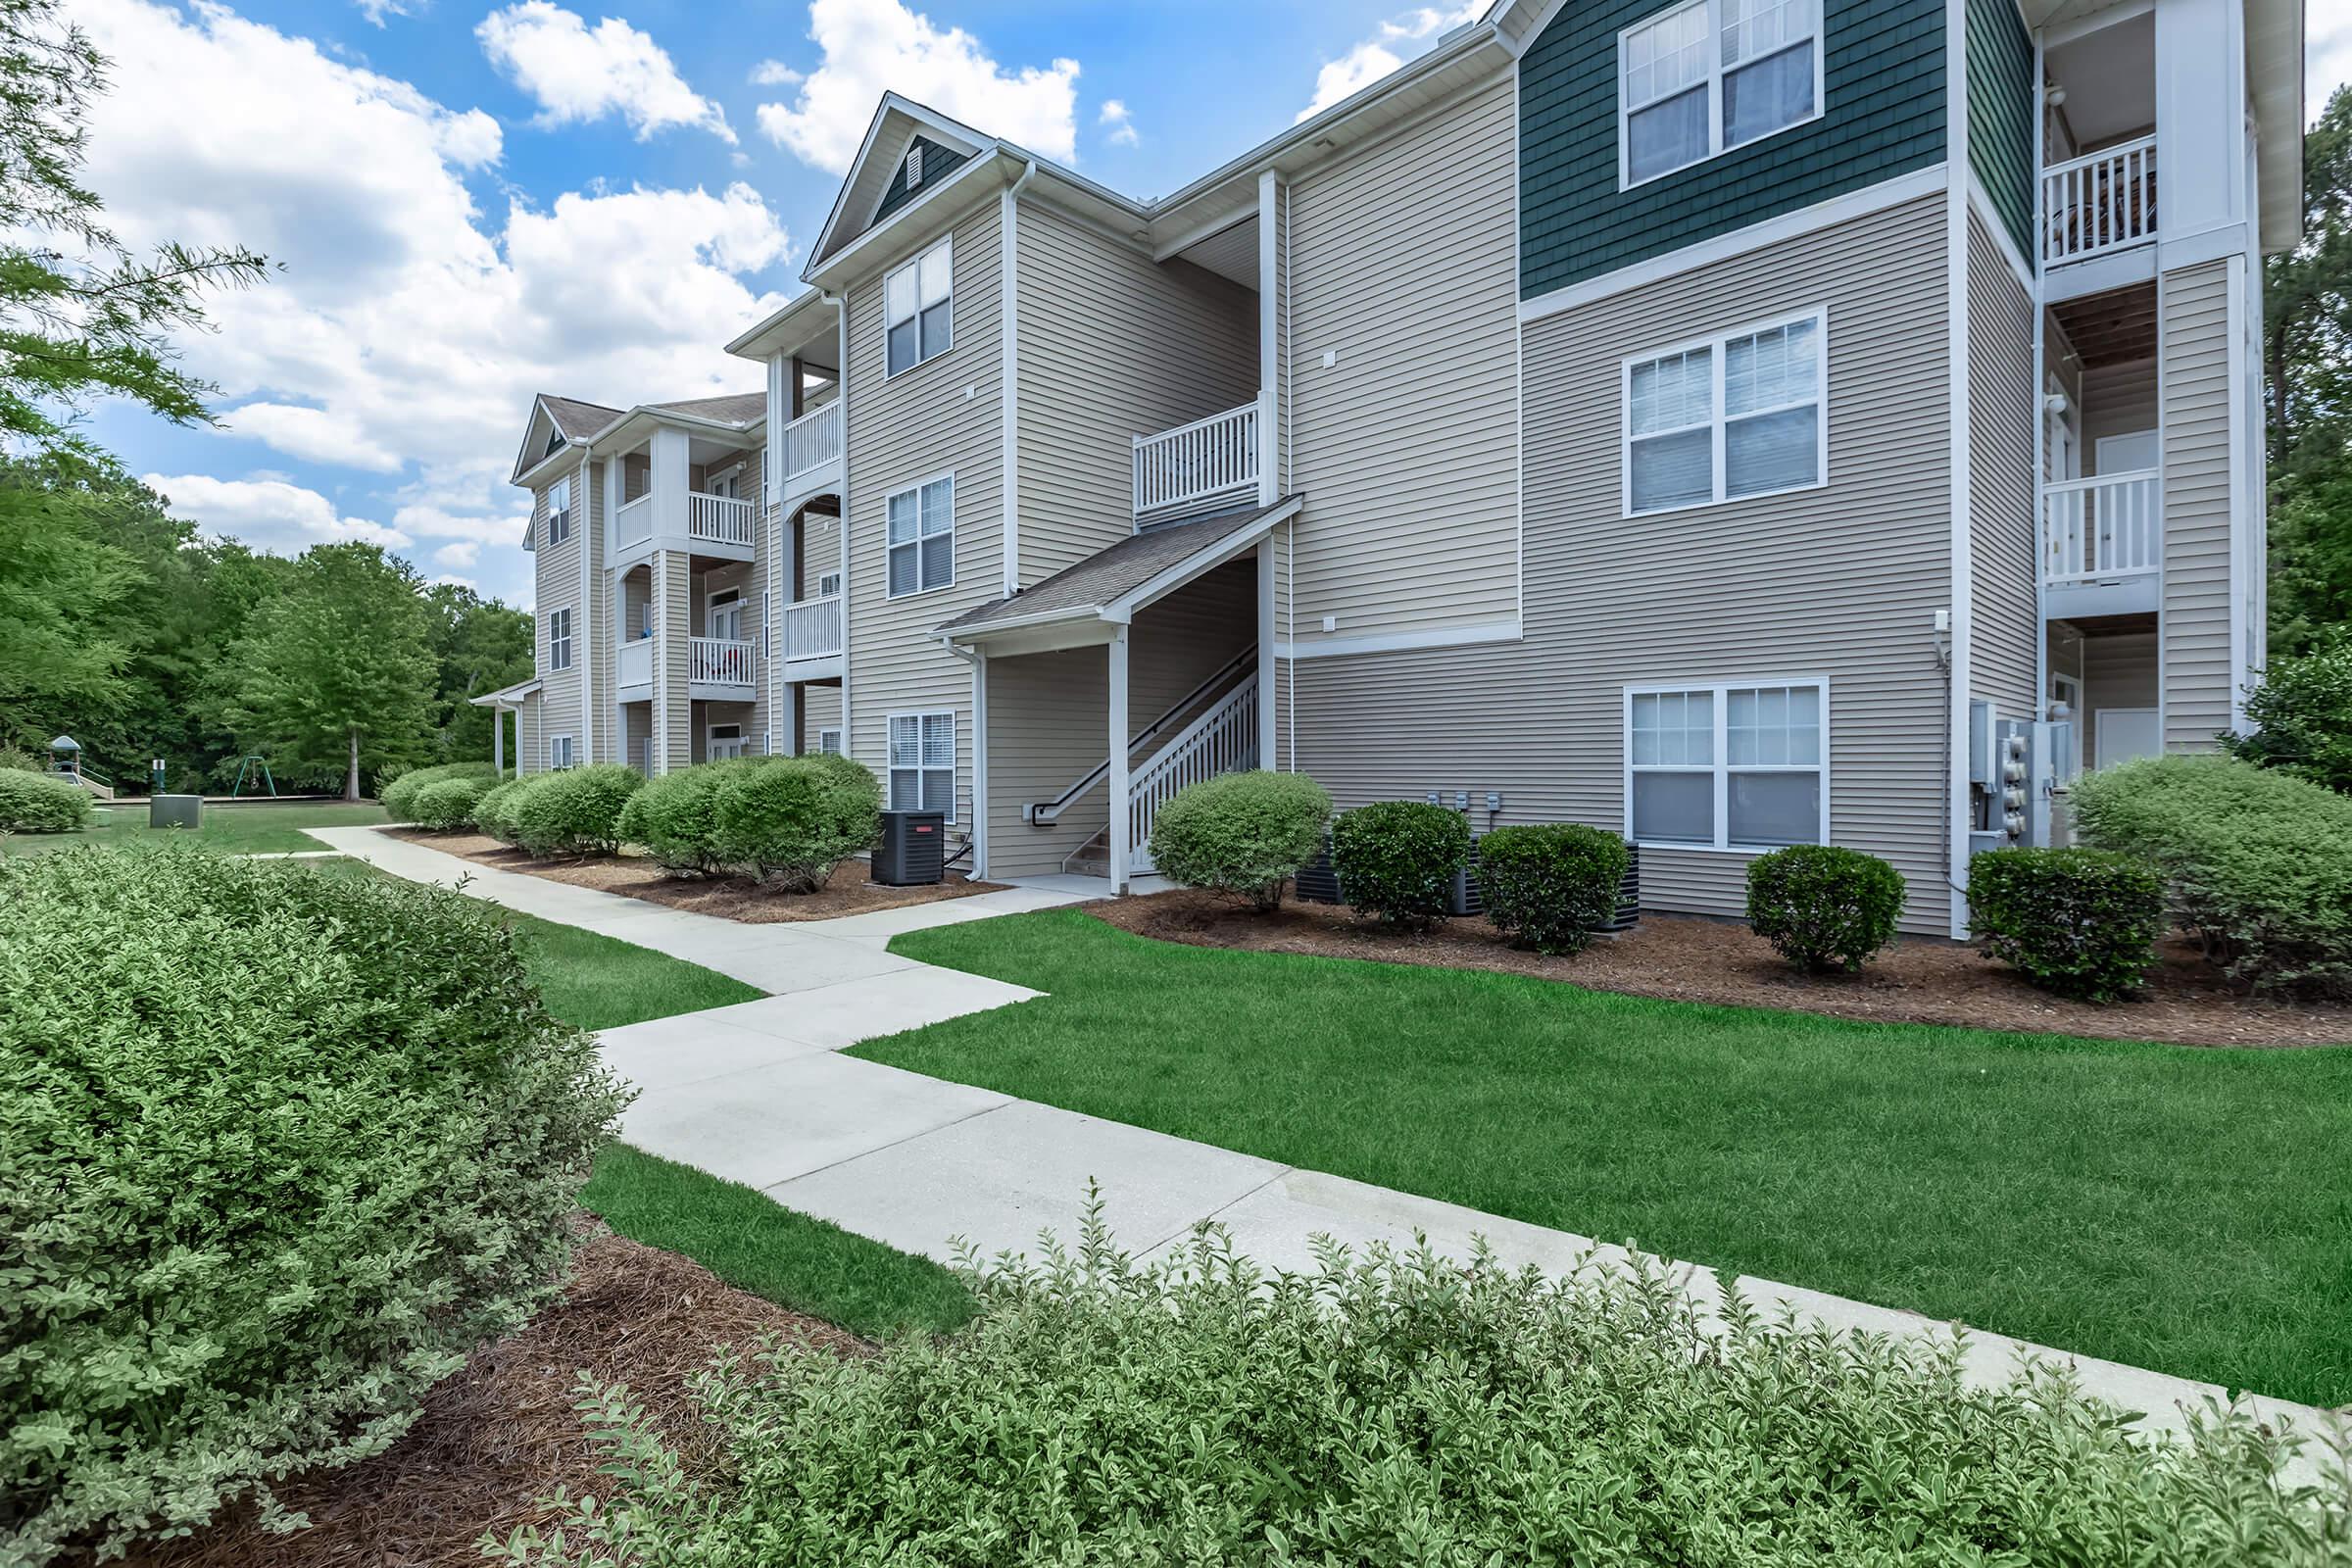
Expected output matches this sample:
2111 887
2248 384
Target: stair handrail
1042 814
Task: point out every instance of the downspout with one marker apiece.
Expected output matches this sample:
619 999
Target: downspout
592 524
977 838
1009 395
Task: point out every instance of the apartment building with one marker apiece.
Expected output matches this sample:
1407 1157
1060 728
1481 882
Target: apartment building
1724 421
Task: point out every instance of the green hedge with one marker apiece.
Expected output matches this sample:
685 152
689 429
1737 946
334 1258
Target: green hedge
1244 834
1396 859
494 813
2257 863
2302 716
1551 883
398 794
1409 1409
790 820
42 803
447 804
675 818
2082 923
575 810
1822 907
278 1149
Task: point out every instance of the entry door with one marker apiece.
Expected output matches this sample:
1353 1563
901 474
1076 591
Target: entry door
2127 454
725 742
726 615
2126 733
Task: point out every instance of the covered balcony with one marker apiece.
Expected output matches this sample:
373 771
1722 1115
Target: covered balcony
813 638
1210 466
2101 506
2099 190
685 486
808 453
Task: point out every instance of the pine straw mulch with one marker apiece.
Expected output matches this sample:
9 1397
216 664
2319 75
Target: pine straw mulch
1683 959
730 898
500 1433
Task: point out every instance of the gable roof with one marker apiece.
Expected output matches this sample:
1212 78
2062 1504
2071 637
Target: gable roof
881 162
735 408
577 420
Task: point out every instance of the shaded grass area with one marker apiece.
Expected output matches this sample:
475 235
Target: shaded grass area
237 829
600 982
2189 1211
749 1240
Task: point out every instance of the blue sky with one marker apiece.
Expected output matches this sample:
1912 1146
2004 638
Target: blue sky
475 201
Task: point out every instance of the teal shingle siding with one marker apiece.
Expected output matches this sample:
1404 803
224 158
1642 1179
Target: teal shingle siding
1883 94
938 163
2001 139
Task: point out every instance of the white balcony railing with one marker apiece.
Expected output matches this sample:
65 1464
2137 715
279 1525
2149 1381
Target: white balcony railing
1197 465
722 662
813 440
2101 202
636 662
812 628
633 522
721 519
2099 530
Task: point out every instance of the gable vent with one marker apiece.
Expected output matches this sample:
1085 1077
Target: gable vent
914 164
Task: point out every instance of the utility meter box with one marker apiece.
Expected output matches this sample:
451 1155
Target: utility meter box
176 811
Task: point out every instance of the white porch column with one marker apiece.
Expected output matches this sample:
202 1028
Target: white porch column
796 718
1120 850
498 741
1265 652
671 456
1269 355
980 765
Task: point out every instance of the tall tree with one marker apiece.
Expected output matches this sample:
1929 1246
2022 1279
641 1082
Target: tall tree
480 645
2308 349
337 672
61 582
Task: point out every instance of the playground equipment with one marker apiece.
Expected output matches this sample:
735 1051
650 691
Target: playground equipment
245 765
64 759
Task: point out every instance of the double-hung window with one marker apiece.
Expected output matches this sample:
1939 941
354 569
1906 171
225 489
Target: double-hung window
558 639
922 538
1735 415
559 510
1728 767
1713 75
559 753
922 762
918 308
828 741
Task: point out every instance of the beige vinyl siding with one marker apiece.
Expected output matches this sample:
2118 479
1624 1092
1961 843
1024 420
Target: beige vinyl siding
556 571
2004 604
1112 346
2117 399
1840 582
2194 329
673 616
1403 267
904 431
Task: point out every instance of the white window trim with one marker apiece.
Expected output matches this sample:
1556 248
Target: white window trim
914 264
1714 85
1722 767
559 519
1714 344
572 752
917 490
828 739
955 753
711 599
564 610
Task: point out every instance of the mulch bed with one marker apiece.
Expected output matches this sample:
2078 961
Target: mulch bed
730 898
501 1434
1683 959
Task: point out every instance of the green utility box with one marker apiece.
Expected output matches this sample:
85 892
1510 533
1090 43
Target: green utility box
176 811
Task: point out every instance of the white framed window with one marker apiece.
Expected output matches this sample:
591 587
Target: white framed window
559 510
559 753
764 597
722 612
918 309
1706 76
922 762
723 742
828 584
1727 417
558 639
922 538
1735 765
828 741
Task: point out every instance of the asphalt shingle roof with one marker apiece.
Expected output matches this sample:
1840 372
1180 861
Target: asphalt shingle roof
736 408
1110 574
578 421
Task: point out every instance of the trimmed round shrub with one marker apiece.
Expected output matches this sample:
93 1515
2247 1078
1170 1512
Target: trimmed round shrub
675 818
1244 834
2079 923
1822 907
42 803
1550 885
790 820
1396 859
281 1148
575 810
494 813
447 804
398 794
2302 716
1406 1408
2257 863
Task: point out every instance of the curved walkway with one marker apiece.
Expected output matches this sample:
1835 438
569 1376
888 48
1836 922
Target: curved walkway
757 1094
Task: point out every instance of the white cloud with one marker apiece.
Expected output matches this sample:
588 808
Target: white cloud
2326 57
266 511
582 73
407 322
448 580
775 74
875 45
1375 57
375 11
1118 125
465 553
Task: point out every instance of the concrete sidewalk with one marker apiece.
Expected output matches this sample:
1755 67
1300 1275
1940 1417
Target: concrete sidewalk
758 1093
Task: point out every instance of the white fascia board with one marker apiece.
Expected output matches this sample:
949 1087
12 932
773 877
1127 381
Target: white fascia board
1003 167
755 343
525 468
973 144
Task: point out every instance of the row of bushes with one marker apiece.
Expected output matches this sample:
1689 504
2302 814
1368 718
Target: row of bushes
418 795
42 803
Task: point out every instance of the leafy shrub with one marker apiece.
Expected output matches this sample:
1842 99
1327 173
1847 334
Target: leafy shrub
42 803
494 813
574 812
2082 923
1408 1410
2257 863
1822 907
447 804
280 1147
15 759
2302 713
398 793
675 818
1551 883
1242 833
1396 859
792 819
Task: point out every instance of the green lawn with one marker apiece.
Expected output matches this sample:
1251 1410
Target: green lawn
599 982
239 829
2183 1210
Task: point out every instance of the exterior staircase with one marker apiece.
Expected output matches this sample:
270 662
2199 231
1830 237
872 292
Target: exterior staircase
1221 739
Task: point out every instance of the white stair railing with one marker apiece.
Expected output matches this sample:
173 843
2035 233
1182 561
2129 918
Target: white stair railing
1197 465
2096 530
724 661
813 627
1223 740
813 440
2100 203
721 519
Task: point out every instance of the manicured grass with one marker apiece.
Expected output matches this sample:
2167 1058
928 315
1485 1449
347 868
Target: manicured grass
599 982
2185 1210
238 829
744 1238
